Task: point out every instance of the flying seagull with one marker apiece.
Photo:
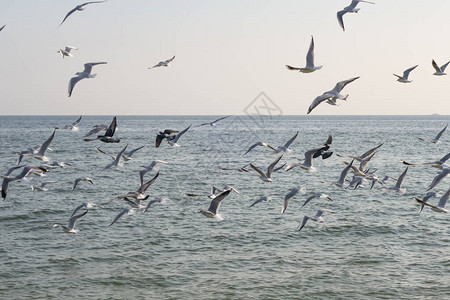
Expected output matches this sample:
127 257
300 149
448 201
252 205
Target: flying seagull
259 144
292 192
66 51
157 200
267 177
108 136
309 61
398 185
23 177
364 155
79 8
81 179
41 188
285 147
441 205
438 136
318 217
84 204
41 153
316 195
1 28
166 134
174 141
261 199
74 125
96 129
439 177
333 95
439 70
349 9
213 123
311 154
425 199
71 227
438 164
82 75
164 63
149 168
212 211
116 162
404 78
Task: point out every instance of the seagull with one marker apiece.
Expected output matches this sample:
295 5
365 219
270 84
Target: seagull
42 187
398 186
10 170
262 199
285 147
333 95
166 134
74 125
309 61
404 78
259 144
425 199
125 210
214 190
174 141
116 161
151 202
1 28
96 129
108 136
212 211
341 182
438 136
41 153
239 169
441 205
81 179
79 8
292 192
163 63
149 168
23 177
439 164
126 156
316 195
66 51
439 177
318 217
439 70
84 204
82 75
364 155
267 177
139 194
349 9
213 123
313 153
72 221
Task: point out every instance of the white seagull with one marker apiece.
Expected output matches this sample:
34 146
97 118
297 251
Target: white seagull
66 51
439 70
149 168
398 185
317 218
71 227
333 95
292 192
81 179
213 123
259 144
267 177
444 173
309 61
74 125
82 75
441 205
316 195
174 141
1 28
285 147
404 78
164 63
125 210
156 200
261 199
41 153
79 8
41 188
425 199
341 182
116 162
212 211
438 164
108 136
84 204
438 136
96 129
349 9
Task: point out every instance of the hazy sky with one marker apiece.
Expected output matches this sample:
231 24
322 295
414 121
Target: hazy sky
227 52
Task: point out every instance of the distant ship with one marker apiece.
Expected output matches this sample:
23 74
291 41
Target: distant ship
435 114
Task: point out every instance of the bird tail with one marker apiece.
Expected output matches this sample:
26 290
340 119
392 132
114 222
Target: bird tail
92 75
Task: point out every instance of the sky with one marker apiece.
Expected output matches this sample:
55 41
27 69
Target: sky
227 53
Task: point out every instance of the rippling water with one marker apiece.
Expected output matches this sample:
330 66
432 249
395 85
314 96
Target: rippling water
375 246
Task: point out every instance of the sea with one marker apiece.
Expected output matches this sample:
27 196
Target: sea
376 244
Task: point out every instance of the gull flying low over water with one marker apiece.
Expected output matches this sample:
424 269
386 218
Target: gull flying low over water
84 204
341 182
212 211
398 185
96 129
140 193
316 195
82 75
285 147
116 162
333 95
108 136
292 192
439 70
125 210
439 177
174 141
404 78
261 199
259 144
41 188
43 148
267 177
165 63
149 168
79 8
239 169
23 177
157 200
441 205
81 179
439 164
166 134
71 227
307 164
309 61
438 136
364 155
66 51
213 123
73 126
349 9
318 217
425 199
126 156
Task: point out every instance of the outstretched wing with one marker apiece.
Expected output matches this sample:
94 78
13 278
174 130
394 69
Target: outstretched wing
72 83
407 71
317 101
169 60
440 133
214 206
310 55
88 66
341 84
292 68
112 128
435 66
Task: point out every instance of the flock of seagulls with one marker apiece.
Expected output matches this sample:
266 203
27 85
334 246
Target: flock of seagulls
135 200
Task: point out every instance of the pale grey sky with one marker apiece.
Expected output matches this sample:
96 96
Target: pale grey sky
227 52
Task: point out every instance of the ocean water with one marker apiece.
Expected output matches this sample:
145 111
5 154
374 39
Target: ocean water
376 245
